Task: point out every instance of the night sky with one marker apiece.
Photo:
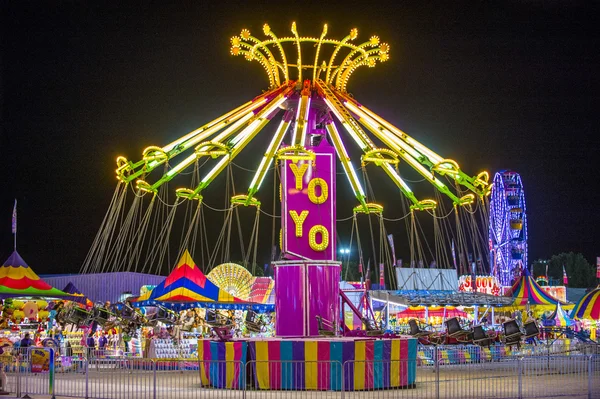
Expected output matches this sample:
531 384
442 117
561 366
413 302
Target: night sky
494 88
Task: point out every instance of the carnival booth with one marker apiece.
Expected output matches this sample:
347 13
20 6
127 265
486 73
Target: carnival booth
202 306
32 312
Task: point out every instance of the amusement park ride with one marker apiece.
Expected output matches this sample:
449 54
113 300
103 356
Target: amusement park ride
317 121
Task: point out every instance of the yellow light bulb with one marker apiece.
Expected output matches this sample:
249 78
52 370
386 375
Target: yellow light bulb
245 34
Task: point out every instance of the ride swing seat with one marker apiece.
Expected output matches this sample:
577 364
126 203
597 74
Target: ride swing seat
455 330
531 330
77 316
482 337
162 315
253 323
512 333
416 330
101 315
371 328
326 327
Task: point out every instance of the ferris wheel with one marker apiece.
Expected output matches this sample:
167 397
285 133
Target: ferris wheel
508 226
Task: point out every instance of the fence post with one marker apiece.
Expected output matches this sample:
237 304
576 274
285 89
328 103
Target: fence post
18 389
436 361
87 379
520 371
590 372
344 379
154 378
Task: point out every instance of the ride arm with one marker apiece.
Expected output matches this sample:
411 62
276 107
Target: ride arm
238 143
267 160
365 143
156 156
478 184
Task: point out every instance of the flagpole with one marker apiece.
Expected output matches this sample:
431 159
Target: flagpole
14 224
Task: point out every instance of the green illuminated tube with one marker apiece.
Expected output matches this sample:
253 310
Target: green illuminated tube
435 158
405 143
385 138
267 159
408 193
346 164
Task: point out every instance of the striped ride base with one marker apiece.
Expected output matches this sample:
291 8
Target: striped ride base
309 364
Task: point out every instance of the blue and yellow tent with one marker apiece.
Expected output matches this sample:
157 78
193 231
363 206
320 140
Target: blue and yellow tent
187 287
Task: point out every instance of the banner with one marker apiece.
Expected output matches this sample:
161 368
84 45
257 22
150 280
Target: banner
598 267
381 277
40 360
390 238
483 284
565 277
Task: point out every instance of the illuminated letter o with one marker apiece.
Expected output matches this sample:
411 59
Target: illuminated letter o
312 238
324 191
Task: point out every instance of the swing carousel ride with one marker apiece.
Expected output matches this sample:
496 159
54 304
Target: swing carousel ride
317 125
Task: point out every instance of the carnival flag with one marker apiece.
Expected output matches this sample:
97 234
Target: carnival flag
598 267
565 278
14 219
547 270
381 277
390 238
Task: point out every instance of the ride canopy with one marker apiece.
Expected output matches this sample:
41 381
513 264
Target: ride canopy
18 280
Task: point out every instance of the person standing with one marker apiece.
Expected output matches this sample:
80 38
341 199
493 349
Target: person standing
26 342
102 342
91 346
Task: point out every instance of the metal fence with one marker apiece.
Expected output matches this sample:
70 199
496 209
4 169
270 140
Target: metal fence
550 376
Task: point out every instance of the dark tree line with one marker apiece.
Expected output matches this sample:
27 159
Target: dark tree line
581 273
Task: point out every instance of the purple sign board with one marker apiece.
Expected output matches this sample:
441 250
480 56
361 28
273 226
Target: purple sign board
308 206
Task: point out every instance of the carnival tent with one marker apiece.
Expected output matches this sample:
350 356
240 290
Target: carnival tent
71 289
17 280
588 307
526 291
187 287
559 318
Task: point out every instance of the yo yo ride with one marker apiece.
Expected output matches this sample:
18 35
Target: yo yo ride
309 125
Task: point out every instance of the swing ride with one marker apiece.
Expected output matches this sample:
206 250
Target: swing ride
318 125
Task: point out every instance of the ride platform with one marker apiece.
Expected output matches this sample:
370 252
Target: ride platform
315 363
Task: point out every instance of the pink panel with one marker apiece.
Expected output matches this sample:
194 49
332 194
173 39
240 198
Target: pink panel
289 300
322 294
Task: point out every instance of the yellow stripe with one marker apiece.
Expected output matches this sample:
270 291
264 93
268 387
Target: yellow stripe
262 364
17 273
229 366
395 366
310 354
359 365
185 292
203 378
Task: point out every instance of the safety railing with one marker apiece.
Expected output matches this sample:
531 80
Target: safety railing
572 376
